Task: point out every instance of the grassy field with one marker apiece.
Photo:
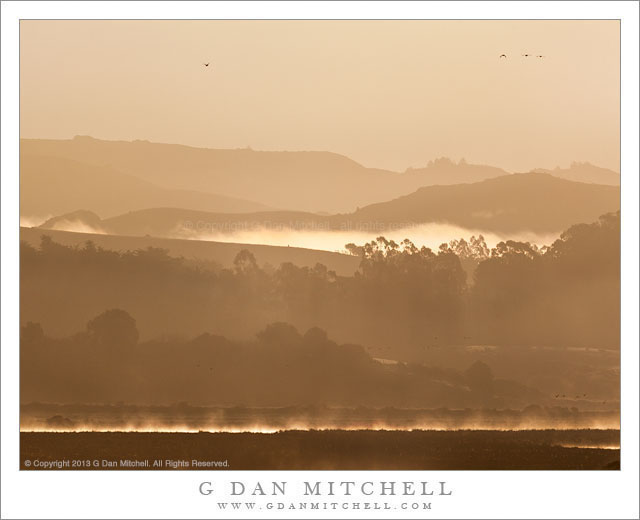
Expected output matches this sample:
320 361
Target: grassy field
221 252
327 450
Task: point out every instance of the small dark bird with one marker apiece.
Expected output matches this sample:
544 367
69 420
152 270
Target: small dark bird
526 55
206 64
557 395
503 55
539 56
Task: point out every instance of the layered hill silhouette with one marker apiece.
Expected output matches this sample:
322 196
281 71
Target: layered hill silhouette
533 202
444 171
294 180
212 179
528 201
51 185
585 172
309 181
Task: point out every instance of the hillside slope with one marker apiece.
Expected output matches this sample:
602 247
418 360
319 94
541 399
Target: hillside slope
585 172
222 253
531 202
52 185
307 181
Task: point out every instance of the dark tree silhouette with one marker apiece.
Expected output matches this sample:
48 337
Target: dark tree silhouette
245 262
114 329
402 300
279 334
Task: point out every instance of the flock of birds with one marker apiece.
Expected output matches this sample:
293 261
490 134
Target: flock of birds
524 55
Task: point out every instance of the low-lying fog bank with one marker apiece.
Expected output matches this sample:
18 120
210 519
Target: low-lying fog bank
185 418
427 235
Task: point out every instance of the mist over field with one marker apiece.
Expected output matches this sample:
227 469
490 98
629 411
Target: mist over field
422 235
181 417
73 226
427 235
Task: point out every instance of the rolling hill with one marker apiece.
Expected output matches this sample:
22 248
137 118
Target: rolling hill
51 185
306 181
443 171
532 202
528 201
585 172
219 252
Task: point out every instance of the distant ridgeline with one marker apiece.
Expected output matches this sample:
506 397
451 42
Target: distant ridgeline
531 202
115 177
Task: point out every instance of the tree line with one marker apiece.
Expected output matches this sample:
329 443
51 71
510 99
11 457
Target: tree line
402 299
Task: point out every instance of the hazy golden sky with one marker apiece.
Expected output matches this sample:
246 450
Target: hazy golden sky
389 94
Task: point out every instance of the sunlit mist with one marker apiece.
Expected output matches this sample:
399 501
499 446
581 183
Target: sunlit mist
33 220
428 235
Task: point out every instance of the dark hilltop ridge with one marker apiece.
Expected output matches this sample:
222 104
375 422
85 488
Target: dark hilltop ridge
526 201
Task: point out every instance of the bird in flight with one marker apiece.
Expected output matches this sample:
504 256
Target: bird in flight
206 64
503 56
526 55
539 56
